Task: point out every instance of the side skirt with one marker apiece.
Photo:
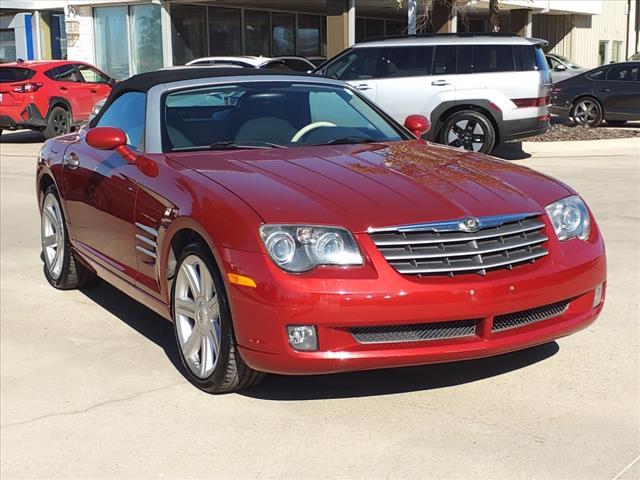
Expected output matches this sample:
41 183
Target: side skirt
125 286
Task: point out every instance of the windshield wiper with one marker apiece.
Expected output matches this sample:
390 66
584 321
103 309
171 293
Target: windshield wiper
238 145
348 140
229 145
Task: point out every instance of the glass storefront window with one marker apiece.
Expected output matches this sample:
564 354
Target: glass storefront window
189 33
283 37
146 38
112 50
7 46
256 33
224 31
309 29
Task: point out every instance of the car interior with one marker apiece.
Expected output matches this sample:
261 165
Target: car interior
273 116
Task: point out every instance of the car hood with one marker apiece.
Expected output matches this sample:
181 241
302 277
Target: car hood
374 185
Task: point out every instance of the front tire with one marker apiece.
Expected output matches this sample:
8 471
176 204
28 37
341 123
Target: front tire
61 269
470 130
58 123
587 111
203 326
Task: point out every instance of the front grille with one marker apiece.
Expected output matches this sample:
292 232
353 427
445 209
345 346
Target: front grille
525 317
414 332
433 250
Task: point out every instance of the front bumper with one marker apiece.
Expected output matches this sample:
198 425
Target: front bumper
376 295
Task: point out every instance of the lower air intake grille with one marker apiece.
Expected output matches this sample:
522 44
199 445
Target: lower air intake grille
518 319
414 333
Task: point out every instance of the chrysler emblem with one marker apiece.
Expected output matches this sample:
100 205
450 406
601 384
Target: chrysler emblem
470 224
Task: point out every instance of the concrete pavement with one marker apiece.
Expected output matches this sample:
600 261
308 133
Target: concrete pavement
90 386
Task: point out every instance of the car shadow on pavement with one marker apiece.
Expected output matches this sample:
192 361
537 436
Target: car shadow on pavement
140 318
510 151
395 380
21 136
317 387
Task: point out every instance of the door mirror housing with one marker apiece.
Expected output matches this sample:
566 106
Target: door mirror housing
110 138
106 138
417 124
560 68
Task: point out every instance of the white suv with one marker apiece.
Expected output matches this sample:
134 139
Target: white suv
477 89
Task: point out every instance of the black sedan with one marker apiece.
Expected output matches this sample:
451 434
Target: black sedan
610 93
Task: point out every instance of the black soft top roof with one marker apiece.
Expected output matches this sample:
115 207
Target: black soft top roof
143 82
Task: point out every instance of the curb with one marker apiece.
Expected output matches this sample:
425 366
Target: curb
578 147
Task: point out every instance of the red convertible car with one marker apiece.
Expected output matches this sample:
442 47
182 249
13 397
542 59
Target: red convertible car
286 224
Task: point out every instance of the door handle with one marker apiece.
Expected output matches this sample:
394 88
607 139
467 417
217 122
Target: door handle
71 160
363 86
63 88
440 83
93 90
605 90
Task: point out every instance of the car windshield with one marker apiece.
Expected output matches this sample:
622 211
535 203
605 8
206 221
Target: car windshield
271 115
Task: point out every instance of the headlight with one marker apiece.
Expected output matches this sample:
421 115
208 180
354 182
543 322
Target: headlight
299 248
97 107
570 218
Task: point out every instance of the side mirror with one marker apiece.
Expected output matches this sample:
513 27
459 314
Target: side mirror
106 138
111 138
560 68
112 82
417 124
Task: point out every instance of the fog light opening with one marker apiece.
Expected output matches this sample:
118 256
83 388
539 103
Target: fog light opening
302 337
597 296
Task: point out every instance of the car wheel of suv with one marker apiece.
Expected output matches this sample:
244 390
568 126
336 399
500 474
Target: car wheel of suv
203 327
470 130
61 269
587 111
58 123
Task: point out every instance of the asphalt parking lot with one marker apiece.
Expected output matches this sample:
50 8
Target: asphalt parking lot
90 384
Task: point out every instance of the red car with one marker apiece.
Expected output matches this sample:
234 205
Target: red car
49 96
285 224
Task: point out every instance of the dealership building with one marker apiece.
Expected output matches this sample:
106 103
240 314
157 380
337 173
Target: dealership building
128 37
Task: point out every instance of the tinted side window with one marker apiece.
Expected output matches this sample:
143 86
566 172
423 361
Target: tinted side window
127 113
525 58
276 65
492 58
623 73
597 75
465 59
444 62
356 64
297 65
405 62
64 73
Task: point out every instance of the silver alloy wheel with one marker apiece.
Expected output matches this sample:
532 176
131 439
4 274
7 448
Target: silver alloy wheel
197 316
586 111
467 133
52 234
